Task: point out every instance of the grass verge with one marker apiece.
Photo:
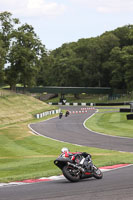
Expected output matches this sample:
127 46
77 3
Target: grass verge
111 123
29 156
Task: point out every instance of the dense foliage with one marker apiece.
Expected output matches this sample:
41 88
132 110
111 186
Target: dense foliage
21 51
104 61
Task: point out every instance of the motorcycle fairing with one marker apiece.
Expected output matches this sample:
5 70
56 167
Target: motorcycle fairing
61 162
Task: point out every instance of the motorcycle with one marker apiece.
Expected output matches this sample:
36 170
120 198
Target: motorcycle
67 113
74 170
60 115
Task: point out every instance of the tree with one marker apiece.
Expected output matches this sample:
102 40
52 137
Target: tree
44 74
7 27
89 52
24 56
2 61
118 70
65 68
128 59
7 24
93 62
106 42
125 35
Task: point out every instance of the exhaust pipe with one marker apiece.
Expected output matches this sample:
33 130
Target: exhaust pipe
75 166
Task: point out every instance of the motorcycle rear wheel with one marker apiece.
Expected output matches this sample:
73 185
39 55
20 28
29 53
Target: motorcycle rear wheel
97 173
71 174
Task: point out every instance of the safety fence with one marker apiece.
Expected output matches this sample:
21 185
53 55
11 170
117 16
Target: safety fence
46 113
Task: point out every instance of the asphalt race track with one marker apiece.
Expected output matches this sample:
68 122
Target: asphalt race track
71 129
116 184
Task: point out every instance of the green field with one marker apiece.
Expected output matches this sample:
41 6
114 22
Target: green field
111 123
24 155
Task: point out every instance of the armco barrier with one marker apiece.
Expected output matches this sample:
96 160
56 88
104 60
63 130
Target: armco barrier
129 117
51 112
90 104
71 104
125 110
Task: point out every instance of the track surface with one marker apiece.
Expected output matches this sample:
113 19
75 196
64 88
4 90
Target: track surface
116 184
71 129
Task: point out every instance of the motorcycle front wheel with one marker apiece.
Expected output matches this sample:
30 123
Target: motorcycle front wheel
97 173
71 174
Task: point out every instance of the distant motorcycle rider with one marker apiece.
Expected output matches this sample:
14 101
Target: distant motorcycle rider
67 113
60 114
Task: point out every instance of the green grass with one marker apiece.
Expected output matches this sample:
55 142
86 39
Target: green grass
19 108
32 156
114 123
24 155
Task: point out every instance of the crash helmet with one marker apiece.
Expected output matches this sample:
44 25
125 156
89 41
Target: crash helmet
64 149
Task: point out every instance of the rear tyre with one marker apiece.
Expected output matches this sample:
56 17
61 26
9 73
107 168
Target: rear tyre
71 174
97 173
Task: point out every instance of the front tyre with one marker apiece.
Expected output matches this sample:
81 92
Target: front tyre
97 173
71 174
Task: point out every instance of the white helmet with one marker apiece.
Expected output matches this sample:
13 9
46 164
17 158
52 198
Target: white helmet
64 149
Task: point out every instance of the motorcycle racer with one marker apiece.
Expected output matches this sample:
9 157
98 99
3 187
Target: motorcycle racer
77 165
86 158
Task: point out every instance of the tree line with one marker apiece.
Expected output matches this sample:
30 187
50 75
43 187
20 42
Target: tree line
102 61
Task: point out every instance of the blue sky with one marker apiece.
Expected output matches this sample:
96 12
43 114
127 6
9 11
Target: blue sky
63 21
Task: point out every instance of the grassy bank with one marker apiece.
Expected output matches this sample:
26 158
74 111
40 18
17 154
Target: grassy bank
24 155
19 108
113 123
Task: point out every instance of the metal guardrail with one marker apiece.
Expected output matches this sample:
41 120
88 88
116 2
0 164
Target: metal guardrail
89 104
46 113
131 106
